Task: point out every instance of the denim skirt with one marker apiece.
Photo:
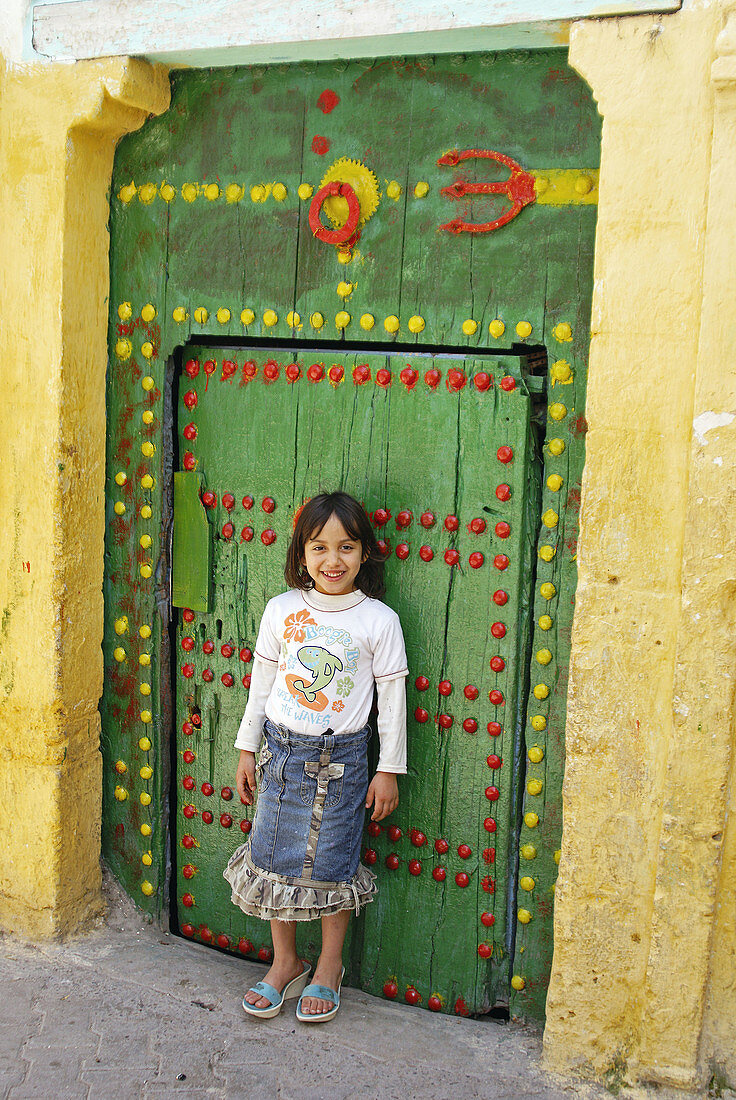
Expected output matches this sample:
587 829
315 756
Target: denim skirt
302 857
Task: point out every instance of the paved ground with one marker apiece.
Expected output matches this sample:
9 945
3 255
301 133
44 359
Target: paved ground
130 1011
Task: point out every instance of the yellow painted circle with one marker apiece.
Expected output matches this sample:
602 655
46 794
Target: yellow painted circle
541 691
305 191
223 315
497 328
147 859
148 312
146 887
544 656
146 717
536 754
517 982
523 329
470 327
547 590
146 772
125 311
234 192
180 314
148 449
524 916
526 882
201 315
120 478
144 744
561 371
247 317
127 193
545 622
531 820
258 193
147 383
546 553
144 659
145 689
146 829
146 481
557 411
528 851
147 193
212 192
123 349
147 417
416 324
556 446
293 319
557 856
119 508
391 323
583 185
421 189
367 321
393 190
146 571
121 624
550 518
534 786
279 192
538 722
146 511
270 318
554 483
119 654
342 320
189 192
316 320
121 794
344 290
562 332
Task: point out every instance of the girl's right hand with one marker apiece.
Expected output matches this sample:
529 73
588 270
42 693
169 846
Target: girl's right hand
245 779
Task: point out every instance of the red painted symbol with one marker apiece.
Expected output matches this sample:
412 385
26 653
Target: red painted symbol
518 189
347 235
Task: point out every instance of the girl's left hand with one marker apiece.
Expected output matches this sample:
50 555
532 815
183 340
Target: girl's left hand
384 792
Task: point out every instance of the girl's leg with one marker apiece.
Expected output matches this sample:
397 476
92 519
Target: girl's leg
329 966
286 963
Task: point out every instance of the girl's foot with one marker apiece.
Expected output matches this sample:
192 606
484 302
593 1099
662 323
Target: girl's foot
279 975
327 973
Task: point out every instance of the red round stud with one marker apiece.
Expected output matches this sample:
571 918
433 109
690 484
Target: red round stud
190 399
497 664
426 553
250 370
489 825
501 561
247 502
409 377
190 432
500 597
204 934
229 367
188 871
487 919
421 715
421 683
427 519
402 551
504 454
246 681
188 757
189 460
482 381
197 720
434 1003
498 630
502 529
477 526
187 900
226 793
268 504
207 789
390 989
384 546
268 537
508 384
209 368
187 644
265 954
381 516
464 851
270 371
228 501
370 857
470 725
188 811
187 671
383 377
403 518
188 783
392 862
444 687
394 833
187 615
452 557
496 697
494 729
226 821
244 946
316 372
207 817
227 650
441 846
227 530
476 559
485 950
418 838
444 721
292 372
433 378
415 867
462 878
245 825
246 655
227 679
493 794
455 380
192 368
493 761
471 692
187 729
374 829
336 374
362 374
439 874
412 996
208 646
246 535
223 940
209 499
503 491
188 930
451 523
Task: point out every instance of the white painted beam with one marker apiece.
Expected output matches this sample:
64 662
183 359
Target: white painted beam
227 32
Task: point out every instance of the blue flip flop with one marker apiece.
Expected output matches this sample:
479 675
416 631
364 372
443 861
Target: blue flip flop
263 989
325 994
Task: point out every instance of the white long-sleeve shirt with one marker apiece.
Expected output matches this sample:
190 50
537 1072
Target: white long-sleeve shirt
317 658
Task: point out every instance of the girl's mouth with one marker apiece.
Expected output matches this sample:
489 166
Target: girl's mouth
333 576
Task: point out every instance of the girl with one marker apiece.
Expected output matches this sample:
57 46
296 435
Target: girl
321 647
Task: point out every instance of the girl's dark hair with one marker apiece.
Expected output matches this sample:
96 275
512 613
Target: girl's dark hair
311 519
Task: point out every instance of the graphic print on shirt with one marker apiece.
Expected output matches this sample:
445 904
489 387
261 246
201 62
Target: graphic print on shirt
324 665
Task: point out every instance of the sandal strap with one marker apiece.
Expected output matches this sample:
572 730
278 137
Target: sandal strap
321 991
267 991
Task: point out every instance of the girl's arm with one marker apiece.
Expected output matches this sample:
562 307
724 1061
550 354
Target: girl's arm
251 724
383 791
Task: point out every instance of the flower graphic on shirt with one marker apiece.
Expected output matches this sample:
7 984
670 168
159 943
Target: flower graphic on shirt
294 625
338 705
344 686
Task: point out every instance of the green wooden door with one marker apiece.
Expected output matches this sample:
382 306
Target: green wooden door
439 449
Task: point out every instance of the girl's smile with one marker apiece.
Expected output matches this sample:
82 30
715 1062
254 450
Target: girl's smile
333 559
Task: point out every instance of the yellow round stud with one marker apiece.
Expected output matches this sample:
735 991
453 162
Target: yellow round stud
247 317
180 314
316 320
119 508
121 625
223 315
146 717
496 328
146 887
125 311
189 192
146 482
121 767
127 193
517 982
557 856
526 882
212 192
293 319
258 193
562 332
146 571
148 312
528 851
544 656
145 631
545 622
534 786
416 324
144 744
344 257
531 820
305 191
121 794
536 754
342 320
538 722
146 511
557 411
561 371
123 349
144 659
470 327
120 478
541 691
583 185
546 553
148 449
541 183
147 193
147 383
147 350
147 859
119 654
144 688
556 446
393 190
523 329
279 192
201 315
547 590
270 318
550 519
524 916
344 290
147 416
234 192
146 772
391 323
367 321
554 483
146 829
421 189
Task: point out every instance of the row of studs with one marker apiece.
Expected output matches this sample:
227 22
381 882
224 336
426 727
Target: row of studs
234 192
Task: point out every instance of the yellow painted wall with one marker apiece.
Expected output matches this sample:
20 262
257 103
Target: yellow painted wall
58 129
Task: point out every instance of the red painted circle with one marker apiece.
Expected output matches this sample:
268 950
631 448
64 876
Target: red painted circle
421 715
488 884
455 380
426 553
192 368
403 518
402 551
394 833
500 597
390 989
187 644
489 855
487 919
270 371
190 399
245 825
502 529
493 794
444 721
496 697
464 851
361 374
316 372
250 370
268 504
421 683
501 561
320 145
226 793
293 372
433 378
503 491
187 900
439 874
336 374
498 630
189 811
427 519
246 535
452 557
489 825
493 761
327 101
476 559
209 499
441 846
188 757
335 187
246 681
187 615
383 377
187 729
209 367
226 821
451 523
247 502
444 687
228 501
470 725
497 664
370 857
381 516
482 381
189 460
227 530
246 655
188 783
227 679
244 946
229 367
508 383
208 646
188 930
187 671
392 862
384 546
505 454
485 950
227 650
494 729
462 878
471 692
415 867
207 789
207 817
477 526
409 377
188 871
208 675
268 537
190 432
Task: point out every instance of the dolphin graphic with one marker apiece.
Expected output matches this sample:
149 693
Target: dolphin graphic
323 664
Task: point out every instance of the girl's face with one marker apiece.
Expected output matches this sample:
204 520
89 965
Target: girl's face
333 559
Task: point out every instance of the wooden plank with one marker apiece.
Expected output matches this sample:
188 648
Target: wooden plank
191 556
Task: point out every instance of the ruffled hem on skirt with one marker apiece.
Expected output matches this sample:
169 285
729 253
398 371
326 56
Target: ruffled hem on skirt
270 896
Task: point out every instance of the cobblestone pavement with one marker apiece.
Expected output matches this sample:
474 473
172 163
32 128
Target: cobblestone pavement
131 1011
